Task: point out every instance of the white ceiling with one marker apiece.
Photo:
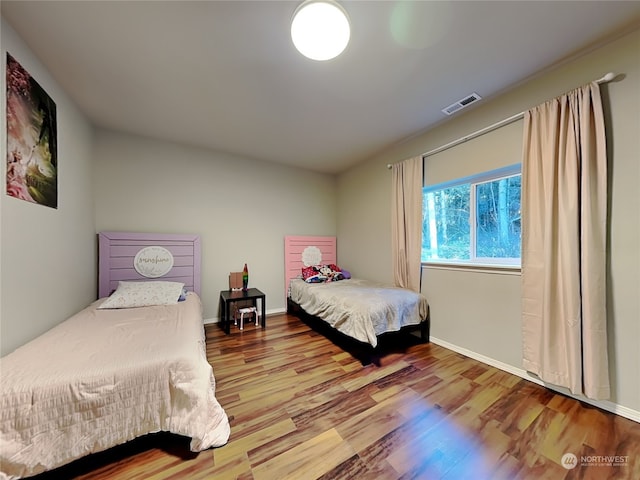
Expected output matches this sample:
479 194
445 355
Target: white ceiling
225 75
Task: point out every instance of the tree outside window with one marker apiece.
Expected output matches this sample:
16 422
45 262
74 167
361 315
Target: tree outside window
489 233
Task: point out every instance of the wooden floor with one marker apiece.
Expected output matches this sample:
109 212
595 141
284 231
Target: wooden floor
302 408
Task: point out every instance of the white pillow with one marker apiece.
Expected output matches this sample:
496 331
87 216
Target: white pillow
144 294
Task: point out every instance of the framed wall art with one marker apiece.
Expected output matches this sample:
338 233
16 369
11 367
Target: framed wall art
32 157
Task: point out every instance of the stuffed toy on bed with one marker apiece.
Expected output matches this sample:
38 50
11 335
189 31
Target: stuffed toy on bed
322 273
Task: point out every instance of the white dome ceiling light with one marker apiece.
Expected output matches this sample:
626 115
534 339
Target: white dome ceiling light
320 29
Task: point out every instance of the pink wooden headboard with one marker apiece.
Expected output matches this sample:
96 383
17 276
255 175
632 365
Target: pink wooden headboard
294 246
117 250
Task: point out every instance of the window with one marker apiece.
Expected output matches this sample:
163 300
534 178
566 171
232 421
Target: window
474 220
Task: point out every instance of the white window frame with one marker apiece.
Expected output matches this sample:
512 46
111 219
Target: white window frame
474 261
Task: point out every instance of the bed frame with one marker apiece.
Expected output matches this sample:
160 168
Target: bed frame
294 247
117 251
167 387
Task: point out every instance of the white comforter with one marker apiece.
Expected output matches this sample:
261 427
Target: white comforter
359 308
104 377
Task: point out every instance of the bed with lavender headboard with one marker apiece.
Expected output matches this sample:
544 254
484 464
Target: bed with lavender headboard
117 253
360 309
114 372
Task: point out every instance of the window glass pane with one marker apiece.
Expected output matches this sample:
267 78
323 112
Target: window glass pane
474 220
445 226
498 218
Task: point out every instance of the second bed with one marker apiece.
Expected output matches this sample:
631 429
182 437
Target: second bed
359 309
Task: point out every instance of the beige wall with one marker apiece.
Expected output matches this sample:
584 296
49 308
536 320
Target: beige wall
109 181
241 208
480 312
47 255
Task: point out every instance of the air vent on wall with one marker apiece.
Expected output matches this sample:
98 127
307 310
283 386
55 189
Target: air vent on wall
460 104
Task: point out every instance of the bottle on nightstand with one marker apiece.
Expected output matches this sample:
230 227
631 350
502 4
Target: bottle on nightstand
245 278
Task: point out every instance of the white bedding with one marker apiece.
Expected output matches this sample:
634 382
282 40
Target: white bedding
359 308
104 377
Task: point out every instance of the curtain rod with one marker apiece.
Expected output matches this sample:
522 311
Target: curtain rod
606 78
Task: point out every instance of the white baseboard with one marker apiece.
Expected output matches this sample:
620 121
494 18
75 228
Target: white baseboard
275 311
603 404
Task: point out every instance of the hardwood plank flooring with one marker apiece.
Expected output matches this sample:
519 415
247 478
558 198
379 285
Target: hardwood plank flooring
301 407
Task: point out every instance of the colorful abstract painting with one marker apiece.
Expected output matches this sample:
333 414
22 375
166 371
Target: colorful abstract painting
32 161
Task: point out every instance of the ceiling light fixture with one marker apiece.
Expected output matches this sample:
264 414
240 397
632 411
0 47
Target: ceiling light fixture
320 29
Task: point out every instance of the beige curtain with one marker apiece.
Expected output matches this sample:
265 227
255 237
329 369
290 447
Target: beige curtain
406 223
564 235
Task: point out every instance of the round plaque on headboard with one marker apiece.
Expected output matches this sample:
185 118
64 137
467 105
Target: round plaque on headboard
311 256
153 262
